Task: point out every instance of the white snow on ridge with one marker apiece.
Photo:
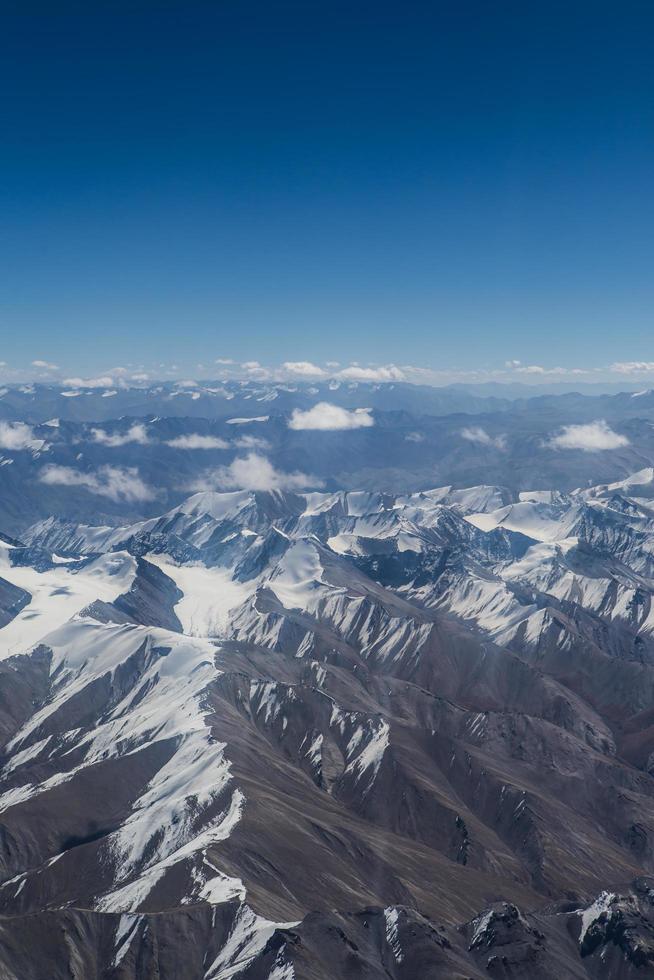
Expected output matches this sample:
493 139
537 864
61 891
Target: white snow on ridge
591 914
213 504
297 575
125 933
249 935
370 758
282 970
209 595
168 824
531 517
60 593
642 478
391 918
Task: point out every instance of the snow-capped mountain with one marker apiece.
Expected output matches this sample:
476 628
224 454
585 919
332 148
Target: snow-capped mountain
332 734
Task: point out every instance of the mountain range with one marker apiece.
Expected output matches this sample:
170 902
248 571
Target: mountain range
118 455
274 734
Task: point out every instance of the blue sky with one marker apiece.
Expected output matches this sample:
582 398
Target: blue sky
448 185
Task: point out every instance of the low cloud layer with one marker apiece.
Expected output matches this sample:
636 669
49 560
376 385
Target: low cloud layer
357 373
16 436
251 442
591 437
254 472
106 381
136 433
303 369
510 370
45 365
195 440
121 484
539 370
482 438
633 367
329 417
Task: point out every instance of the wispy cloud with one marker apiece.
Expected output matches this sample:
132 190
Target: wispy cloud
509 369
105 381
633 367
590 437
538 369
45 365
330 417
195 440
251 442
115 482
482 438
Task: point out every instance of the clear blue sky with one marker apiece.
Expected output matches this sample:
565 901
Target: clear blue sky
444 184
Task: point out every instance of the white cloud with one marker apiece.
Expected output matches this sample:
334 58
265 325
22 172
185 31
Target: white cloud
136 433
531 369
356 373
115 482
330 417
102 382
632 367
224 360
414 437
17 435
591 437
45 365
196 441
255 370
252 442
538 369
481 437
189 383
254 472
304 369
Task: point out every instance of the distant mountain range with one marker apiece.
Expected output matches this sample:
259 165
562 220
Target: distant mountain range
280 734
119 455
219 399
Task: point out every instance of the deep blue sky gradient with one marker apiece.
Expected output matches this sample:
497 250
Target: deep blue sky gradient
448 184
